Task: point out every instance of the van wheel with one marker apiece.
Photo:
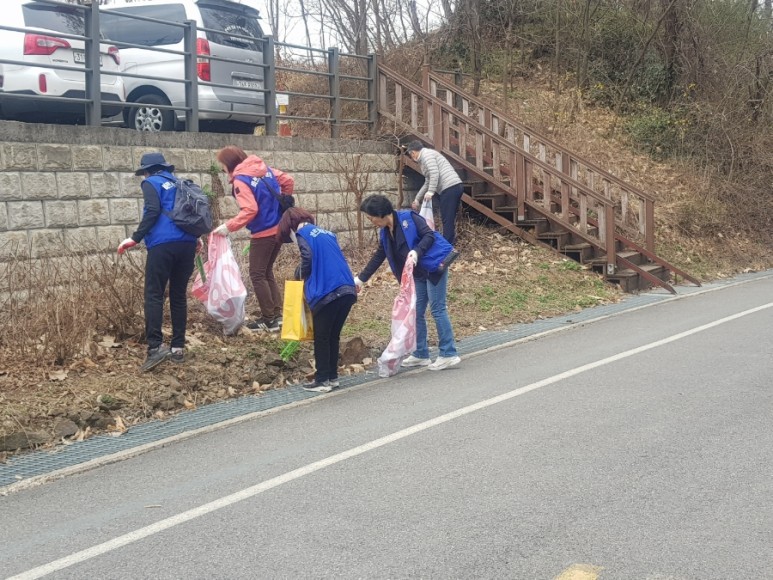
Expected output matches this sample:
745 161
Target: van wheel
146 117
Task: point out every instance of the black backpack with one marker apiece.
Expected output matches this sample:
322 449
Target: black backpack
285 201
191 212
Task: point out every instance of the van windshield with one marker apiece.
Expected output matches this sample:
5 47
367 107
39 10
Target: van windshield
122 29
229 22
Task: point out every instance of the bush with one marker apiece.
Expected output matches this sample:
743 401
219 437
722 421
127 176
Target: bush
51 307
657 132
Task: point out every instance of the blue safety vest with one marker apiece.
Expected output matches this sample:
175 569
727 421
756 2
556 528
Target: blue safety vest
268 207
164 231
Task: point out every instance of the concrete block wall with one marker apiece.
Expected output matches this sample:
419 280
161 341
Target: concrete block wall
65 188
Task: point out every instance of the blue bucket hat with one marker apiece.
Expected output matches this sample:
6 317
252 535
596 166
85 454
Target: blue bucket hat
150 160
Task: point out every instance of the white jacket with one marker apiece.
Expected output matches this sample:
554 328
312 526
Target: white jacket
438 173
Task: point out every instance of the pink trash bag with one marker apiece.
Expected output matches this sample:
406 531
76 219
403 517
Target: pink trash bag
221 290
403 341
426 213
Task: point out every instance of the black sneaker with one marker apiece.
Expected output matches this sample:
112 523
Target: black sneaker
155 357
334 383
315 387
261 326
177 356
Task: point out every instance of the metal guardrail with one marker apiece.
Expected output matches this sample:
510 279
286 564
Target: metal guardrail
335 97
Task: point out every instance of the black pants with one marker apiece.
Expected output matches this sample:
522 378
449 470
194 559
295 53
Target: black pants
449 204
328 322
173 264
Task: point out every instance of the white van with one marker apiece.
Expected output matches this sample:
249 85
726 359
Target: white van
40 45
237 107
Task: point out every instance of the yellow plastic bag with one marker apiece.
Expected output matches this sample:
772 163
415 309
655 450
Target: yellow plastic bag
297 323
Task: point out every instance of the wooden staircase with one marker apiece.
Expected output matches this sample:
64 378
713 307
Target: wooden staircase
529 184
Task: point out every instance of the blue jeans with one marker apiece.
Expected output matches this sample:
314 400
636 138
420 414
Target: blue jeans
435 295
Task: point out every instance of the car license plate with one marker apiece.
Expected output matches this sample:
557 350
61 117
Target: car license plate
80 57
244 84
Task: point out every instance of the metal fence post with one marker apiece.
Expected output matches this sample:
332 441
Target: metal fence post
335 88
191 77
92 66
373 103
269 83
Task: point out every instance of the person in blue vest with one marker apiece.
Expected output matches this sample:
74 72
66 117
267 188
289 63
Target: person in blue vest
256 188
169 261
404 235
328 288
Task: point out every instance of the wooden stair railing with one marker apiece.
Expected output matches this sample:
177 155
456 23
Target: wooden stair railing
524 173
632 221
442 120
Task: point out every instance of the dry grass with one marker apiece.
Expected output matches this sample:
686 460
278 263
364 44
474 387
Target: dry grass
498 281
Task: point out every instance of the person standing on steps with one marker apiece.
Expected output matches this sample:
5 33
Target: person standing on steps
406 236
441 181
328 287
169 262
254 187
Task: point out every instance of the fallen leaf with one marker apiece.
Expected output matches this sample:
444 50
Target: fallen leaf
57 375
119 425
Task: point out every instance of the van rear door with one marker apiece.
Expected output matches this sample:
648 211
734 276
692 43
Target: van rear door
224 20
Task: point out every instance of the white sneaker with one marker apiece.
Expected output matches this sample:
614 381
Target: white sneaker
443 362
414 361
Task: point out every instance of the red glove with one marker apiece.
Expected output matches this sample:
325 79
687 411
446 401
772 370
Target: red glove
125 245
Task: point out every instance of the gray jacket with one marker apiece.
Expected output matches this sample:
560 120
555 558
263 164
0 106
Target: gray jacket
438 173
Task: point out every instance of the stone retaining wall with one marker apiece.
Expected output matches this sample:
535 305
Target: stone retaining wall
66 188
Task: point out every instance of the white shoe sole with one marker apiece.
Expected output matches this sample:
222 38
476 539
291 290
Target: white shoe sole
446 365
415 364
320 389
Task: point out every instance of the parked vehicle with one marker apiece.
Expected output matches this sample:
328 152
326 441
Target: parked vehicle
42 48
238 107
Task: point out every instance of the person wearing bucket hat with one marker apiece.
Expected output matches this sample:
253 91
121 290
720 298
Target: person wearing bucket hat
169 262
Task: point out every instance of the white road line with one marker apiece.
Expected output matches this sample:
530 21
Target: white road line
249 492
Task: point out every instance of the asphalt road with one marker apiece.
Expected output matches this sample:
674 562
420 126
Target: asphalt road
636 447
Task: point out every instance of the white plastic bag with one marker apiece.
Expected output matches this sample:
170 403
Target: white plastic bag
426 212
222 292
403 341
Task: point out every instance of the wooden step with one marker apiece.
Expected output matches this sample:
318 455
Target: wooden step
631 281
475 188
632 256
492 199
555 238
509 209
581 252
536 226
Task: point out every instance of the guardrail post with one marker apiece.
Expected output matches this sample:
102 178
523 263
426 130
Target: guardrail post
92 66
269 83
191 77
335 88
373 104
